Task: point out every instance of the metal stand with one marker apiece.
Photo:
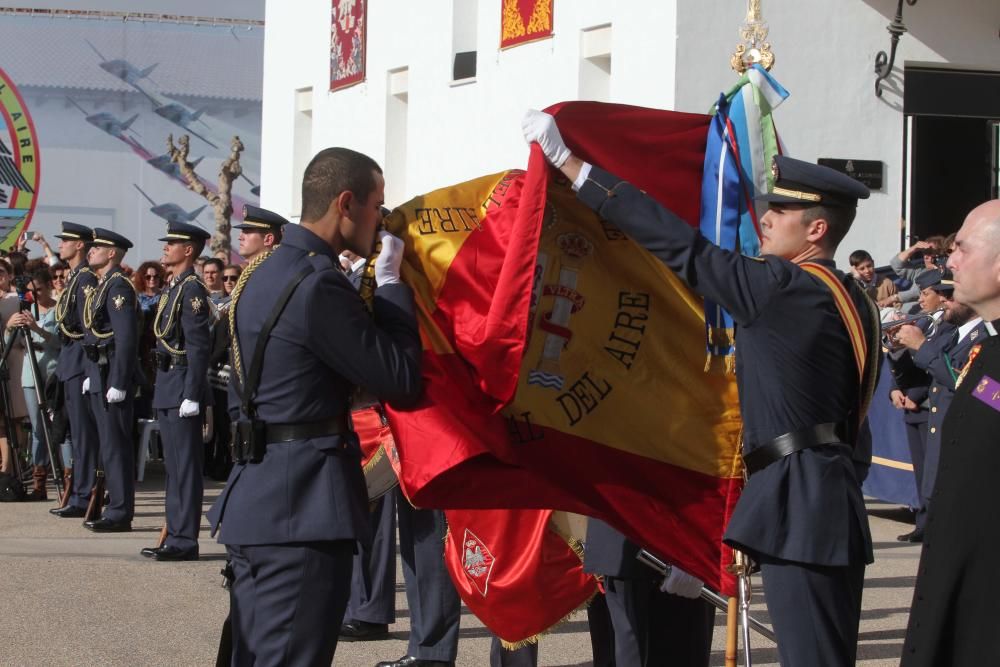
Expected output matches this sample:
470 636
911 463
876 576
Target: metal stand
55 459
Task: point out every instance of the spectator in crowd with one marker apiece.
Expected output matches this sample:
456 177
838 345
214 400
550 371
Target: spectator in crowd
40 322
927 254
9 305
229 277
51 257
211 274
199 264
60 270
880 289
149 282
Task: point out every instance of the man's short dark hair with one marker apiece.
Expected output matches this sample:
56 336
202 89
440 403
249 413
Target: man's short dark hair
331 172
219 264
41 276
859 257
838 220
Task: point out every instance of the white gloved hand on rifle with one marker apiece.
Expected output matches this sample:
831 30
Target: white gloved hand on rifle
389 259
540 127
115 395
679 582
189 408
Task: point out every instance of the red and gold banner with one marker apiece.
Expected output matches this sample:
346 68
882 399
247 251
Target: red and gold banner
564 364
523 21
348 34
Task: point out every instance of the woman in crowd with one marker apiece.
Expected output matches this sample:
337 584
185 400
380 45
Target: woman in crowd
149 282
40 322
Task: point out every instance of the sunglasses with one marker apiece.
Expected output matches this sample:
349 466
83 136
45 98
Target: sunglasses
230 279
58 276
152 276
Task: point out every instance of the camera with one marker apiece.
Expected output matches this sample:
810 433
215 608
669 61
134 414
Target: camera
25 297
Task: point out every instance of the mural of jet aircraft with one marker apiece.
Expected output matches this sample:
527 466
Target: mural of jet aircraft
107 123
181 117
171 212
164 164
122 69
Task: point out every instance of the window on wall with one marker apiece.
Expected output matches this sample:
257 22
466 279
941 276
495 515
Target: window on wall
396 113
595 63
301 144
464 15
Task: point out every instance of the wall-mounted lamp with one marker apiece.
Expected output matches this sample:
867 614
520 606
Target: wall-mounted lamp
883 62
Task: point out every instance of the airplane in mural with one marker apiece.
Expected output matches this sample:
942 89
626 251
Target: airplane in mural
171 212
122 69
164 164
177 114
106 122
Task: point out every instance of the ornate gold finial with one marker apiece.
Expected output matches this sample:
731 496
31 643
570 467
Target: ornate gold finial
753 49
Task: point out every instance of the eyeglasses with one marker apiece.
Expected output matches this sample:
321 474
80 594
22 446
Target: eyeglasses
230 279
152 276
58 276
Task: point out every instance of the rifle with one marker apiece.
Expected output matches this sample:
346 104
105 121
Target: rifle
96 503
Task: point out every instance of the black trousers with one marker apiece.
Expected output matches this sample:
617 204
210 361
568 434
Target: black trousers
85 441
182 457
373 583
287 601
916 440
815 611
114 425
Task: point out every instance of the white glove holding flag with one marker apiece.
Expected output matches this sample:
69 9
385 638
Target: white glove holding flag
679 582
389 259
115 395
540 127
189 408
86 385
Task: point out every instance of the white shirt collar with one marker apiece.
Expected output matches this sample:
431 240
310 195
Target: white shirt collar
964 330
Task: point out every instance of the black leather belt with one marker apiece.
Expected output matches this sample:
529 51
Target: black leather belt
165 361
251 438
320 429
760 457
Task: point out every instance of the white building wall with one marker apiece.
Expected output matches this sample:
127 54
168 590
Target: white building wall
454 132
665 54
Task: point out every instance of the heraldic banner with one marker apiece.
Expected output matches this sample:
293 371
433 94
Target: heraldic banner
563 364
523 21
348 34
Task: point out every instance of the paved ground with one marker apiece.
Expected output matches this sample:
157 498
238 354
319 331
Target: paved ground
74 598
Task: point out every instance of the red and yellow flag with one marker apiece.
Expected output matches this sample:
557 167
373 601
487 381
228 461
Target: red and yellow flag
564 364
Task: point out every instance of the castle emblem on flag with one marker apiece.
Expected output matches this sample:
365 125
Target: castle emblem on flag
576 248
477 562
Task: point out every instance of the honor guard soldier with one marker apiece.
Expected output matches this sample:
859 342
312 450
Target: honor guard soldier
801 515
955 615
295 503
110 345
260 231
181 327
74 242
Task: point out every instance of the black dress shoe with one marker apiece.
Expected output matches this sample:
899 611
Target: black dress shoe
410 661
69 512
169 553
103 525
360 631
916 535
149 552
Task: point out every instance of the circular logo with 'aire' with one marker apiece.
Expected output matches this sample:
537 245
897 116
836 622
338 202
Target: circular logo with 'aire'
19 164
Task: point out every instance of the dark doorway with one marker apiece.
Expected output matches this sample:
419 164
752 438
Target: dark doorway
954 158
953 172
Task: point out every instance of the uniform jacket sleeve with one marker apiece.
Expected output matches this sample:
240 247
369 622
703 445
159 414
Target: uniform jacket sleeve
381 354
932 357
124 322
197 342
742 285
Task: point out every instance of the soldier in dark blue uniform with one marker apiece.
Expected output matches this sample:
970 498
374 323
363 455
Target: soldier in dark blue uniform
73 246
911 388
942 355
295 503
110 345
650 627
183 345
801 514
260 231
955 615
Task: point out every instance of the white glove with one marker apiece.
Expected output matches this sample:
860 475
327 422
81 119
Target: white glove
679 582
86 385
389 259
189 408
115 395
540 127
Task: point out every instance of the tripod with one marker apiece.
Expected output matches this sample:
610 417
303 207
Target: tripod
55 461
8 421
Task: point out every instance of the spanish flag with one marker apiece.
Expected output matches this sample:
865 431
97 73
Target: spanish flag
564 364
